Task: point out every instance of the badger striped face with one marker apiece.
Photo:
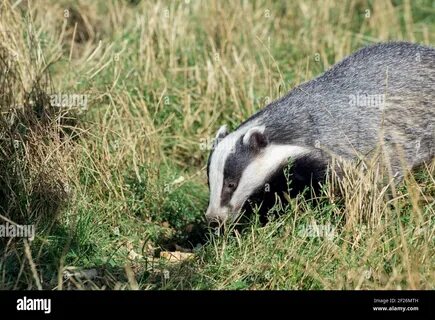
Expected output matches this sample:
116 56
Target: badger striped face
239 165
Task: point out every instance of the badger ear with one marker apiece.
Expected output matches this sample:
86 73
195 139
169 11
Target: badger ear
255 138
220 134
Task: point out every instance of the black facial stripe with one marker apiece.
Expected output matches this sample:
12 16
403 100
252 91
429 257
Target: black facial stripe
238 159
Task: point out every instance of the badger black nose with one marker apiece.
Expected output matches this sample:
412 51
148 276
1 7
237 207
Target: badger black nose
215 222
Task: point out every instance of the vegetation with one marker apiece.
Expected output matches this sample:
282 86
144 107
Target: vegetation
112 173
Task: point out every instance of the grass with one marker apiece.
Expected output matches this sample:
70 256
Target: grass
110 186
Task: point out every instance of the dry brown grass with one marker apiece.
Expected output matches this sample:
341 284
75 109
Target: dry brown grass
161 77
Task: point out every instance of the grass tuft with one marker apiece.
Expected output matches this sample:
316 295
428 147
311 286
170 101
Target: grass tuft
115 181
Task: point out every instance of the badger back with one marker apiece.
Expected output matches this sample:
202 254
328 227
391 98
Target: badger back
382 95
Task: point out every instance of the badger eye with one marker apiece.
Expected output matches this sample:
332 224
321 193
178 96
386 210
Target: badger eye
231 185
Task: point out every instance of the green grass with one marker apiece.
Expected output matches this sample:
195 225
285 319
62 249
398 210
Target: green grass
125 179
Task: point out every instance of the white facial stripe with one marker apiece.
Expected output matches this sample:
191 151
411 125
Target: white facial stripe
217 164
265 164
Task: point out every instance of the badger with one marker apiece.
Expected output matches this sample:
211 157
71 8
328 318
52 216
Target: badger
382 95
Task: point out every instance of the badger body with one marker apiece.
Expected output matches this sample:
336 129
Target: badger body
382 95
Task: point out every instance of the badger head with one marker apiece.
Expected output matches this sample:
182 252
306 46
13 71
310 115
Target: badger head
240 164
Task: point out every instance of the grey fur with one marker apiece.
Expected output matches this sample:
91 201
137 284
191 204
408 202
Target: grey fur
325 116
319 111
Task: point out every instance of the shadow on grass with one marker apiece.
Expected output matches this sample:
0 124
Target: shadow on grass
193 236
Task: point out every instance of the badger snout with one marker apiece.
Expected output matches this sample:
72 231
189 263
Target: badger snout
216 216
220 216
